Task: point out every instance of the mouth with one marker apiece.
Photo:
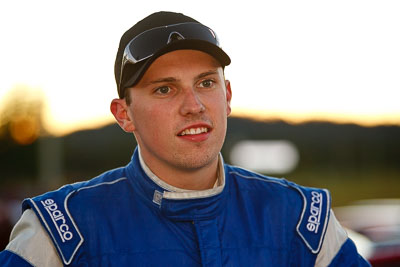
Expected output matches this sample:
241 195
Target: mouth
194 131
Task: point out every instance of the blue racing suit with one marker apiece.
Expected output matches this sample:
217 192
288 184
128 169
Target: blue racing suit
129 217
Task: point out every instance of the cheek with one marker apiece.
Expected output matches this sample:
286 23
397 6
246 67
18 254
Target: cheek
152 120
219 105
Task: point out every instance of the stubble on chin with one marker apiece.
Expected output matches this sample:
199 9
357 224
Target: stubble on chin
195 160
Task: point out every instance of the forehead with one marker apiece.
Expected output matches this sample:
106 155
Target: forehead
182 60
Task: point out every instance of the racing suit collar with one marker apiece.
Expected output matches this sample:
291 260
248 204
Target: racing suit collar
219 181
176 203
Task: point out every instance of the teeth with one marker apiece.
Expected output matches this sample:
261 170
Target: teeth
194 131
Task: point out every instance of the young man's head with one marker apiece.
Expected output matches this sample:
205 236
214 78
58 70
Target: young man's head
173 94
155 35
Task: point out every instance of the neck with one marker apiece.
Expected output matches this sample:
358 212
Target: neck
187 179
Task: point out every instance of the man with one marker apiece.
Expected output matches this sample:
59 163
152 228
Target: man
176 203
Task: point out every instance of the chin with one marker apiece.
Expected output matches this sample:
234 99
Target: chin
195 161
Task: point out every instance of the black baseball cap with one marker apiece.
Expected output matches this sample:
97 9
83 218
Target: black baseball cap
158 34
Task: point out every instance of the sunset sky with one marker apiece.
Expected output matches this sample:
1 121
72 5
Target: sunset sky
296 60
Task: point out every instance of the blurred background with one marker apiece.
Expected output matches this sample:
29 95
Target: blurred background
316 91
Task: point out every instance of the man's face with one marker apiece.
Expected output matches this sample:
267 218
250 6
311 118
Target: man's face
179 111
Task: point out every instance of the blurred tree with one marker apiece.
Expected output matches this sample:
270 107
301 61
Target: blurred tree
20 126
21 112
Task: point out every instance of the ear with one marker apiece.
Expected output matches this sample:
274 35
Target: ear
120 109
228 97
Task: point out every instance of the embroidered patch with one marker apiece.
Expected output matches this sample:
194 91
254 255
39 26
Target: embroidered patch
157 197
314 219
59 224
59 220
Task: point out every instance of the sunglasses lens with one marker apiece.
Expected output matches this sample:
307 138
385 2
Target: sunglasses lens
146 44
149 42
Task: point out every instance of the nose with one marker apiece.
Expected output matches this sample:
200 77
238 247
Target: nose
191 103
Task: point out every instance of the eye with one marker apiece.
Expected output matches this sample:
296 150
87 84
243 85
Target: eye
163 90
207 83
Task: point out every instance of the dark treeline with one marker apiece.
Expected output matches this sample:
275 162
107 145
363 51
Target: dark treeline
324 145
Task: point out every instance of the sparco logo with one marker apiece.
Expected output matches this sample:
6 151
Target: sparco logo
58 219
315 210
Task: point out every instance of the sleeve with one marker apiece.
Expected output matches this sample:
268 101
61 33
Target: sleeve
337 249
29 245
8 258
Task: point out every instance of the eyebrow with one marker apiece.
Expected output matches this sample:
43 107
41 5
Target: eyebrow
207 73
164 80
172 79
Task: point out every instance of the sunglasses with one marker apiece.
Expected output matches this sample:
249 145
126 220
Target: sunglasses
147 43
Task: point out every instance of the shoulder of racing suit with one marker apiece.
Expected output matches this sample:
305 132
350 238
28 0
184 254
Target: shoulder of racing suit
53 211
315 203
